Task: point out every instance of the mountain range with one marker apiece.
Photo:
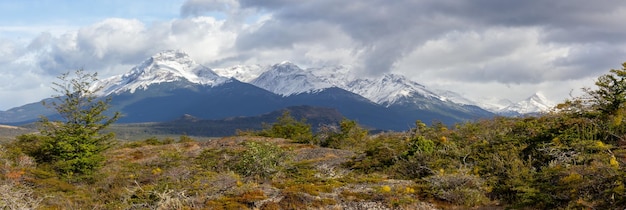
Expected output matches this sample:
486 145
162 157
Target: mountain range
170 84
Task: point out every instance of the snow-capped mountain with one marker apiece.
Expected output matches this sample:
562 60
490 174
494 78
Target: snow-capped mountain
167 66
536 103
339 76
173 82
288 79
455 97
389 88
244 73
384 90
493 104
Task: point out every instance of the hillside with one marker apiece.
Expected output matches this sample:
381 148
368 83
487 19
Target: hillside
197 127
8 132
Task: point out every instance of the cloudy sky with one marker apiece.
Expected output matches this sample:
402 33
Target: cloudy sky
480 48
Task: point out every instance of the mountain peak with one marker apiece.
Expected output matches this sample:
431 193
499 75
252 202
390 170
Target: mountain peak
166 66
389 89
171 55
244 73
536 103
538 96
400 79
286 67
286 63
169 63
287 79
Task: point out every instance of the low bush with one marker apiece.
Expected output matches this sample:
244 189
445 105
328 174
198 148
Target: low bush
260 160
350 134
288 128
18 196
459 188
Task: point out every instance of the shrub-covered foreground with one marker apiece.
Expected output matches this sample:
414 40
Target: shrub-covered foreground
551 162
228 173
572 158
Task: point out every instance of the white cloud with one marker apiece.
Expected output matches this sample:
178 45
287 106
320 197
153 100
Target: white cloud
111 46
505 55
112 39
123 42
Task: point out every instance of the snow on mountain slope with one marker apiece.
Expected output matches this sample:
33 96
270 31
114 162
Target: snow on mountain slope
488 103
244 73
385 90
388 89
339 76
493 104
167 66
454 97
536 103
288 79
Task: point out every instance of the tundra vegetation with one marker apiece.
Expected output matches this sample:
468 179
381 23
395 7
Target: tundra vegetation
570 158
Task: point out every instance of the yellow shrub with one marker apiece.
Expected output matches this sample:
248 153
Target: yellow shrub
157 171
572 178
409 190
613 162
385 189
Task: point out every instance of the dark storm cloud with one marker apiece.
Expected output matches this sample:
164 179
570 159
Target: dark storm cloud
383 30
274 34
564 21
386 31
590 60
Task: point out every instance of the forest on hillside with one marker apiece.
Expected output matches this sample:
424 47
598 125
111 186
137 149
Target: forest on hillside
570 158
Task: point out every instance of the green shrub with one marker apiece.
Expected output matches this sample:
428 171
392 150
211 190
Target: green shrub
413 167
185 139
32 145
350 134
217 160
170 159
377 154
420 144
376 158
73 145
260 159
289 128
